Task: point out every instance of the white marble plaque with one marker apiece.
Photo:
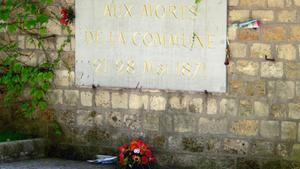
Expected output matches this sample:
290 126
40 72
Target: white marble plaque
156 44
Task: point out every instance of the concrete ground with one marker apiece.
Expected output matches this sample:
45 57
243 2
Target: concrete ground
52 164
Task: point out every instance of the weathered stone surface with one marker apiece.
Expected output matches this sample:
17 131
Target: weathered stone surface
55 97
253 3
298 89
274 33
71 97
212 106
276 3
248 35
261 109
295 155
133 121
238 50
196 105
285 90
260 50
293 70
294 111
228 107
287 16
287 52
256 88
237 87
212 126
245 108
288 131
151 121
177 102
85 118
184 123
263 15
271 70
119 100
295 33
262 148
278 111
86 98
193 144
138 101
158 103
245 127
102 99
269 129
236 146
64 78
238 15
114 119
248 68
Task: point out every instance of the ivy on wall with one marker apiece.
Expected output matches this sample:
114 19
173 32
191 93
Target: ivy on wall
24 85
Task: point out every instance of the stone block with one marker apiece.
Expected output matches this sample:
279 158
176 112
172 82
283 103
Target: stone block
238 50
102 99
293 70
238 15
276 3
85 118
183 123
245 127
247 68
177 102
279 111
212 126
115 119
253 3
138 101
196 105
263 15
246 108
228 107
287 16
232 146
285 90
71 97
295 155
55 97
294 35
274 33
294 111
271 70
212 106
119 100
262 148
64 78
151 121
248 35
269 129
288 131
86 98
261 109
287 52
260 50
158 103
133 121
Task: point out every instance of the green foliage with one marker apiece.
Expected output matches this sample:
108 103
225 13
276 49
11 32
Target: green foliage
26 85
197 1
11 136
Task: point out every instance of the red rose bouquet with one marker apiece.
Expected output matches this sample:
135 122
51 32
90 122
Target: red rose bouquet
137 155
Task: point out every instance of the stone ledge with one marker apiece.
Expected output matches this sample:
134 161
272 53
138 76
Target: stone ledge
22 150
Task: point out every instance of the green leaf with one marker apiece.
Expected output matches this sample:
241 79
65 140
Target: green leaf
197 1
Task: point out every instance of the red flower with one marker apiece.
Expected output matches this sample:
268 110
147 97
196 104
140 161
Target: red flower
145 160
123 148
66 16
121 159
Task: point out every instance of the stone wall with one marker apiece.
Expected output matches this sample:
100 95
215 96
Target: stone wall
257 120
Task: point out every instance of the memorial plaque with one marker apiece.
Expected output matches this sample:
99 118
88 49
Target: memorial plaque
155 44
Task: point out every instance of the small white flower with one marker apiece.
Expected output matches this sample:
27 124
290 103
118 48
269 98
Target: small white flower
137 151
